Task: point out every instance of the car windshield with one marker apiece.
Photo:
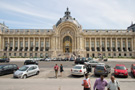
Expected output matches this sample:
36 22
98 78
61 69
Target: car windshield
133 67
121 67
24 68
1 67
77 67
100 68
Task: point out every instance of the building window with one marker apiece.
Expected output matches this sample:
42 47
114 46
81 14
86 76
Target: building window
47 44
11 44
26 44
21 44
114 54
130 54
9 54
31 44
98 44
125 54
5 54
119 54
20 54
109 54
16 44
103 44
36 54
42 44
87 43
108 44
41 54
31 54
14 54
36 44
25 54
87 55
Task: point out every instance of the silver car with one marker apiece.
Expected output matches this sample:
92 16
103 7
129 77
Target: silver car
26 71
102 69
93 63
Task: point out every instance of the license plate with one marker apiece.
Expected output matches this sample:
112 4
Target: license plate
75 71
99 71
121 74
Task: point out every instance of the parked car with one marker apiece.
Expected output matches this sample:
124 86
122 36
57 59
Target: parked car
48 59
78 70
72 59
53 59
88 68
93 63
90 58
8 69
102 69
27 62
120 70
80 60
133 69
42 59
26 71
4 59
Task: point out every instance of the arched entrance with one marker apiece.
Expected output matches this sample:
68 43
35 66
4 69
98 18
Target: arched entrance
67 44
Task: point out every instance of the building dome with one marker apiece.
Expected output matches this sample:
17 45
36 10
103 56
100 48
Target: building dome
67 17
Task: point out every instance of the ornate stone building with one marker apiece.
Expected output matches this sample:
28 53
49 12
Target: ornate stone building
67 36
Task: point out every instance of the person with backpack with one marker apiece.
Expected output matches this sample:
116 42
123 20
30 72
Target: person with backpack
61 69
113 84
86 83
56 68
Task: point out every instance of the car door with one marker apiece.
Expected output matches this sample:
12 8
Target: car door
11 68
5 69
30 71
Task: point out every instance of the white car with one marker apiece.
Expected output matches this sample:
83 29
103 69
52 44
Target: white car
26 71
93 63
48 59
78 70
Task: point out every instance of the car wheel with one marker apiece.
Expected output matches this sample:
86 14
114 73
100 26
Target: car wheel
126 76
24 76
37 73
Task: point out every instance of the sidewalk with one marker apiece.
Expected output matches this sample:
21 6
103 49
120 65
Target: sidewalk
55 84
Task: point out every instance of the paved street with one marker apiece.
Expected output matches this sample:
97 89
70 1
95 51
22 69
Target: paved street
54 84
46 80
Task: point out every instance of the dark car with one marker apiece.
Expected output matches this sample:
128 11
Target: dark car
8 69
27 62
43 59
89 68
4 59
80 60
133 69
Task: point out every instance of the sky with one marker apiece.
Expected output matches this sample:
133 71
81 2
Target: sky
91 14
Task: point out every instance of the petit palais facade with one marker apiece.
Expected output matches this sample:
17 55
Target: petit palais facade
67 38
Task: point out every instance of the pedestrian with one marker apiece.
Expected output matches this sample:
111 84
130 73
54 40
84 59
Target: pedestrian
61 69
100 83
86 83
56 68
113 84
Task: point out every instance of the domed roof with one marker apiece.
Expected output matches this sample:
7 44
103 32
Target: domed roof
67 17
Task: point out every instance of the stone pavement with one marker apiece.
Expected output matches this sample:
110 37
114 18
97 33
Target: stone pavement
55 84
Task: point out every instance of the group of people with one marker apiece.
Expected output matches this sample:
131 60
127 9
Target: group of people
56 69
101 83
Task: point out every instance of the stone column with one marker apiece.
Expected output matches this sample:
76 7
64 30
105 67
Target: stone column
101 44
127 44
39 44
132 44
34 45
3 43
23 43
8 44
90 44
13 44
116 45
44 44
28 43
95 44
106 44
18 44
111 44
122 44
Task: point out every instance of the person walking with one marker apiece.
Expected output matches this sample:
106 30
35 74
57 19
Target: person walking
100 83
61 69
113 84
86 83
56 68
